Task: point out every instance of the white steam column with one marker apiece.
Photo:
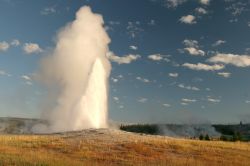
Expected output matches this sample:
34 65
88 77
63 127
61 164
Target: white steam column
76 74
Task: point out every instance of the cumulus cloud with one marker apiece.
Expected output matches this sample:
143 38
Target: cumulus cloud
188 19
158 57
192 47
194 51
122 60
15 42
205 2
224 74
30 48
218 42
236 60
206 67
201 10
133 47
188 87
191 43
4 46
173 75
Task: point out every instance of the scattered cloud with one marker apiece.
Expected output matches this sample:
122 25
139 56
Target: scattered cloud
191 43
218 42
186 100
206 67
201 10
166 105
158 57
194 51
188 87
247 101
4 46
173 75
151 22
4 73
213 100
142 100
173 3
236 60
15 42
30 48
133 47
134 28
48 10
224 74
205 2
192 47
25 77
188 19
122 60
143 79
237 8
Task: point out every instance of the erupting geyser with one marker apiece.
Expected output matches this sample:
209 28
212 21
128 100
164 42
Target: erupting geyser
76 74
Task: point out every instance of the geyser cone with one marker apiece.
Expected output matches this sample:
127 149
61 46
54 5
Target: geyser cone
76 74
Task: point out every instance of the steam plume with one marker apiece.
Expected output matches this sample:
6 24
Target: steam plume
76 74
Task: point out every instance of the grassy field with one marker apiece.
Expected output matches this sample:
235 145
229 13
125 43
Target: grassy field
113 147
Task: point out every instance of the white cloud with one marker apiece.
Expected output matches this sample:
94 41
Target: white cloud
158 57
4 73
151 22
142 100
15 42
205 2
248 24
48 10
25 77
201 66
191 43
174 3
201 10
133 47
134 28
212 100
116 98
224 74
143 79
188 19
247 101
166 105
194 51
122 60
192 47
173 75
236 60
30 48
4 46
218 42
114 80
188 100
188 87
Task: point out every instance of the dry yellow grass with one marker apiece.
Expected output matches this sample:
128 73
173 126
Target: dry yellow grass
111 147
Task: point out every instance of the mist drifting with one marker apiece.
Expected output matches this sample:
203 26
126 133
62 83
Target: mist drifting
76 75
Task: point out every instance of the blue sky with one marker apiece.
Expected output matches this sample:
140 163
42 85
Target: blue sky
173 61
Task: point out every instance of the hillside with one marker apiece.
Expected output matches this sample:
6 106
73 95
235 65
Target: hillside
115 147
